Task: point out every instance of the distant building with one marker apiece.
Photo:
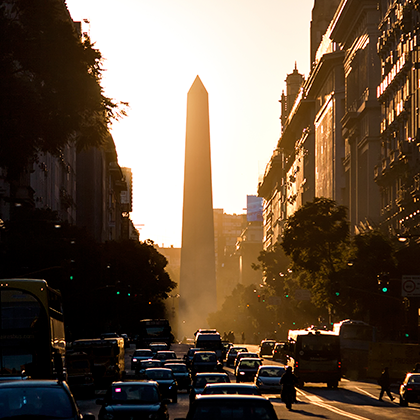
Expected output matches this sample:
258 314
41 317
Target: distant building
227 230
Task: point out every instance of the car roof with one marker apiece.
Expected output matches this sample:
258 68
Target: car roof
134 382
231 385
211 374
272 367
31 383
158 369
232 397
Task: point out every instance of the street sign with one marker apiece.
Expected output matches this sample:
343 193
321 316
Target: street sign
410 286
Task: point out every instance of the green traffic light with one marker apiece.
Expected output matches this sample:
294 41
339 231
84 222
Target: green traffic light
118 293
71 277
384 289
337 293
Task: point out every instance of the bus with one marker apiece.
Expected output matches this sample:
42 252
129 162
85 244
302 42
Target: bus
32 339
154 331
356 338
106 357
210 341
314 355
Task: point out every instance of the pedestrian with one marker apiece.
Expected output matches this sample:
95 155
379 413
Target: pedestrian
385 384
243 337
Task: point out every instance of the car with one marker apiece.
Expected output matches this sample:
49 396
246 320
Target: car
168 386
231 389
204 378
268 378
410 389
266 348
142 365
189 356
181 373
221 407
140 354
134 399
280 352
247 369
43 399
243 354
231 354
205 361
165 355
155 347
226 345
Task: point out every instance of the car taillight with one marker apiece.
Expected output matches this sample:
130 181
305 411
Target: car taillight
339 365
409 389
296 364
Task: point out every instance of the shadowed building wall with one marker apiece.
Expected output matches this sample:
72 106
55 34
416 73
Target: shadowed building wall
198 277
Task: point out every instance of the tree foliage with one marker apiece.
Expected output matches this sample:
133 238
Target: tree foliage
49 83
104 286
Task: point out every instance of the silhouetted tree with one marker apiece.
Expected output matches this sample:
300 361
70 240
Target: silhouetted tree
49 83
316 238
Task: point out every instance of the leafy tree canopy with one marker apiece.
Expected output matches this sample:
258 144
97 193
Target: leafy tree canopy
50 84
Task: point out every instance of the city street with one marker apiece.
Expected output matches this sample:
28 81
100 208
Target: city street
352 400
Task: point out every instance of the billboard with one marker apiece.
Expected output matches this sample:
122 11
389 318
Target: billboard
254 208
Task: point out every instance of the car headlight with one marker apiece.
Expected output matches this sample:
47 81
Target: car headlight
241 373
134 360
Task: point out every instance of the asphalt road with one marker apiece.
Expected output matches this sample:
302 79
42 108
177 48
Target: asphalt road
351 400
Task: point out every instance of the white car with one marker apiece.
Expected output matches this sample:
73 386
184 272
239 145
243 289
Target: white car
268 378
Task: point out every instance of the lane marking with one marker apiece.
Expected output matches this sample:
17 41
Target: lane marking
319 402
367 393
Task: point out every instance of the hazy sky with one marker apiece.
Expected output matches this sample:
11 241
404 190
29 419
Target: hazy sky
153 49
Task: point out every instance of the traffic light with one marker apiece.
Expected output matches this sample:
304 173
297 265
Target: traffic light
118 292
337 293
259 298
263 298
383 282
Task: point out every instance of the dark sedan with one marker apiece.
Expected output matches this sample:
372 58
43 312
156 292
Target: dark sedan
232 353
227 407
168 386
181 373
410 389
202 379
134 399
142 365
40 399
247 369
205 361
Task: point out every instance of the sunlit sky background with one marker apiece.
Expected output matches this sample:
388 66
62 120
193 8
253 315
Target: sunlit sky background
153 50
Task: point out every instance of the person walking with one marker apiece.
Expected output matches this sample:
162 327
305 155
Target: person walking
385 384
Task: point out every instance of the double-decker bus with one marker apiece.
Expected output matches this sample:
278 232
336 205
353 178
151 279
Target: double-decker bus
356 338
315 356
154 331
32 339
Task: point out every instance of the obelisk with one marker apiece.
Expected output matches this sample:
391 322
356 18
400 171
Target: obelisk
198 272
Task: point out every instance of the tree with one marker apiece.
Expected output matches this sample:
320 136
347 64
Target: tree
49 83
316 238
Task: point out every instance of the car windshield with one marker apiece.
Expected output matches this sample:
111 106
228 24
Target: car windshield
233 410
271 372
40 401
142 353
414 380
177 368
250 364
236 350
205 357
159 374
135 393
203 380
